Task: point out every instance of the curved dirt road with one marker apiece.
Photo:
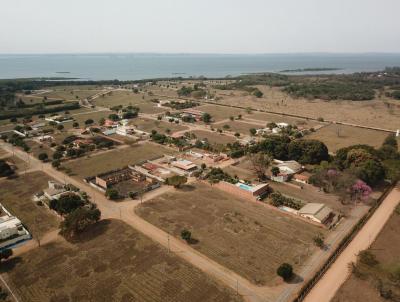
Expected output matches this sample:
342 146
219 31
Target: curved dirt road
337 274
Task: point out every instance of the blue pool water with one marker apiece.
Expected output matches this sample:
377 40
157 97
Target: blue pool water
245 187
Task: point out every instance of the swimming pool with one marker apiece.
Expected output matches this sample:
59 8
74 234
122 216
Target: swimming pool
245 187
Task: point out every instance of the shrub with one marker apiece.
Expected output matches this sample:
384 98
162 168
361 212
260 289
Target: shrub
285 270
112 194
186 235
43 156
368 258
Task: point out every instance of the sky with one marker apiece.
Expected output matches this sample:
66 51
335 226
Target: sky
193 26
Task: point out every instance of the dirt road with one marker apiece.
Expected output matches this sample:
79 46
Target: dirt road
326 288
125 212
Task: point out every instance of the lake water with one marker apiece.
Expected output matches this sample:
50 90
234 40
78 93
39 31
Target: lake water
146 66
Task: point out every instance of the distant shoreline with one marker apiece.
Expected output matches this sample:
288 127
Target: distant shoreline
310 69
131 67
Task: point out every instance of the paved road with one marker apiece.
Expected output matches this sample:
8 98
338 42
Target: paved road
337 274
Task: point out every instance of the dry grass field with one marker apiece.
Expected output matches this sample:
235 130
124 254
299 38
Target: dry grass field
244 236
339 136
386 248
160 126
276 118
375 113
37 148
82 117
219 113
118 158
126 98
236 126
16 195
70 94
214 137
112 262
21 165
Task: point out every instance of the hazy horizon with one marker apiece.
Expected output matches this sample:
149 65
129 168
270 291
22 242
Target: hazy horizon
192 27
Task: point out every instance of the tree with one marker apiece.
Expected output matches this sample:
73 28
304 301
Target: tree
276 146
260 163
89 122
206 118
102 121
186 235
5 169
43 156
75 124
360 190
285 270
66 203
237 134
60 127
308 151
57 155
177 181
275 171
272 125
391 141
253 131
56 163
319 240
258 93
114 117
112 194
371 171
231 118
77 221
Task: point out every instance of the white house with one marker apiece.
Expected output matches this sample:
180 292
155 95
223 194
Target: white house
11 229
125 130
55 190
289 167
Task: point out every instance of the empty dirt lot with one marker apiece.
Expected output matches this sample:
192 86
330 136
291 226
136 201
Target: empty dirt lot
214 137
219 113
339 136
148 125
244 236
112 262
116 159
16 195
126 98
375 113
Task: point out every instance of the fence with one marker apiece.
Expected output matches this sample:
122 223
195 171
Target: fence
342 245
